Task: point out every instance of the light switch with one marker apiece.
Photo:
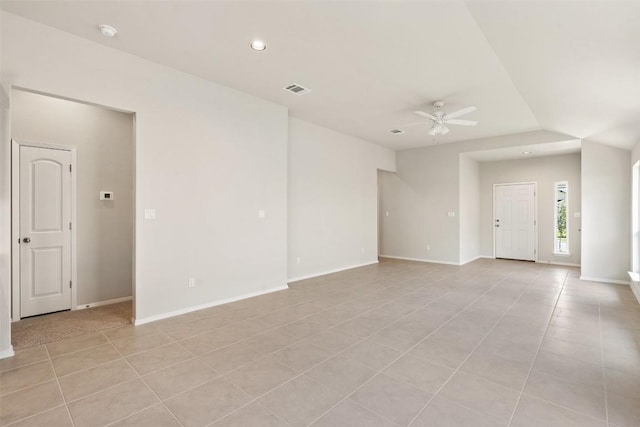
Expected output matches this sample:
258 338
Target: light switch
262 214
149 214
576 215
387 213
451 213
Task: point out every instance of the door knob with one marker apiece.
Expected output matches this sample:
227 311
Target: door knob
497 225
26 239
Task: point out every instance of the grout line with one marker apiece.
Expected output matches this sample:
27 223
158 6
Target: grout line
64 399
604 372
484 337
411 348
535 357
138 376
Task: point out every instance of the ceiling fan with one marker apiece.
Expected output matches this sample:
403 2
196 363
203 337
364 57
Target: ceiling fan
440 119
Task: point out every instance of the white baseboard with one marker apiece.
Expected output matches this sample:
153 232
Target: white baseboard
420 260
473 259
7 352
600 279
635 288
153 318
322 273
100 303
565 264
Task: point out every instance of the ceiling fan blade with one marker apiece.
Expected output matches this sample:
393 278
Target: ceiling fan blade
459 113
427 115
461 122
419 122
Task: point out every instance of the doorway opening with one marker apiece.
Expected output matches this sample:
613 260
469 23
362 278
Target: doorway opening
73 216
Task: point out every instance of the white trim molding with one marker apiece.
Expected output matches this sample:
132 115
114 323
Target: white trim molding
565 264
337 270
603 280
161 316
635 284
7 352
101 303
433 261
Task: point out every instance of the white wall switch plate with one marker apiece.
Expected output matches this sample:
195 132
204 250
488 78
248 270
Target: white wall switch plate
451 213
262 214
106 195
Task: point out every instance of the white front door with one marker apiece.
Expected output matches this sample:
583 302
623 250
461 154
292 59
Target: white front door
45 236
515 221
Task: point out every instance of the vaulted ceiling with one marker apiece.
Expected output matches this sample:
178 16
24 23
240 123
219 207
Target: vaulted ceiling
567 66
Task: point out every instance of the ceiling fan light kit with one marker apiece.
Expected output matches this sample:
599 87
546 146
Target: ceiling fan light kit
439 119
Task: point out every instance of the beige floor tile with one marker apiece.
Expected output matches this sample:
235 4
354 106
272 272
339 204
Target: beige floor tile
507 372
30 401
349 413
136 344
421 373
444 412
573 351
156 416
332 341
392 399
532 412
447 347
270 341
158 358
574 370
112 404
371 354
254 414
24 357
180 378
583 398
207 403
303 328
130 331
58 417
258 378
624 411
230 358
300 401
85 359
25 376
625 383
341 374
75 344
81 384
482 396
302 356
210 341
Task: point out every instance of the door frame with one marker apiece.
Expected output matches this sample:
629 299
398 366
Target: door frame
535 215
15 221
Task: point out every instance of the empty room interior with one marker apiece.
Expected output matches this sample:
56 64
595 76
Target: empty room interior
319 213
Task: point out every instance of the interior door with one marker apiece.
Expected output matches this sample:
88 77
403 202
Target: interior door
45 236
515 221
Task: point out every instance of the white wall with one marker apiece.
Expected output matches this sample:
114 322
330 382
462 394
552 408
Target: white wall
545 171
333 192
5 218
469 209
606 212
427 187
207 159
104 142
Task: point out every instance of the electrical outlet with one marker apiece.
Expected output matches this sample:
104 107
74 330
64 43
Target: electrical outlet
428 247
298 260
192 282
362 250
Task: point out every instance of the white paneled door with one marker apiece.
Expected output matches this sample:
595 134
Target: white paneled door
514 221
45 236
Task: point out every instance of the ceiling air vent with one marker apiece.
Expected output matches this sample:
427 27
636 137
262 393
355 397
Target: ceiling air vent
297 89
396 131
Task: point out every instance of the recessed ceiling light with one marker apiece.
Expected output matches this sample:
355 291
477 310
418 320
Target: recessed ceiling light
526 152
107 30
258 45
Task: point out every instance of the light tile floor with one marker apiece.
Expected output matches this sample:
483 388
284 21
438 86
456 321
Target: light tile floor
493 343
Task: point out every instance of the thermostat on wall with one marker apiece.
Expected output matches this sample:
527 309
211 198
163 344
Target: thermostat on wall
106 195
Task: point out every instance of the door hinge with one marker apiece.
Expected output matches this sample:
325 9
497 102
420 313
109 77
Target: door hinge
69 226
70 283
69 168
535 251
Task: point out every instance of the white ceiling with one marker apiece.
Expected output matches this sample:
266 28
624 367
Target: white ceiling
518 152
571 67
